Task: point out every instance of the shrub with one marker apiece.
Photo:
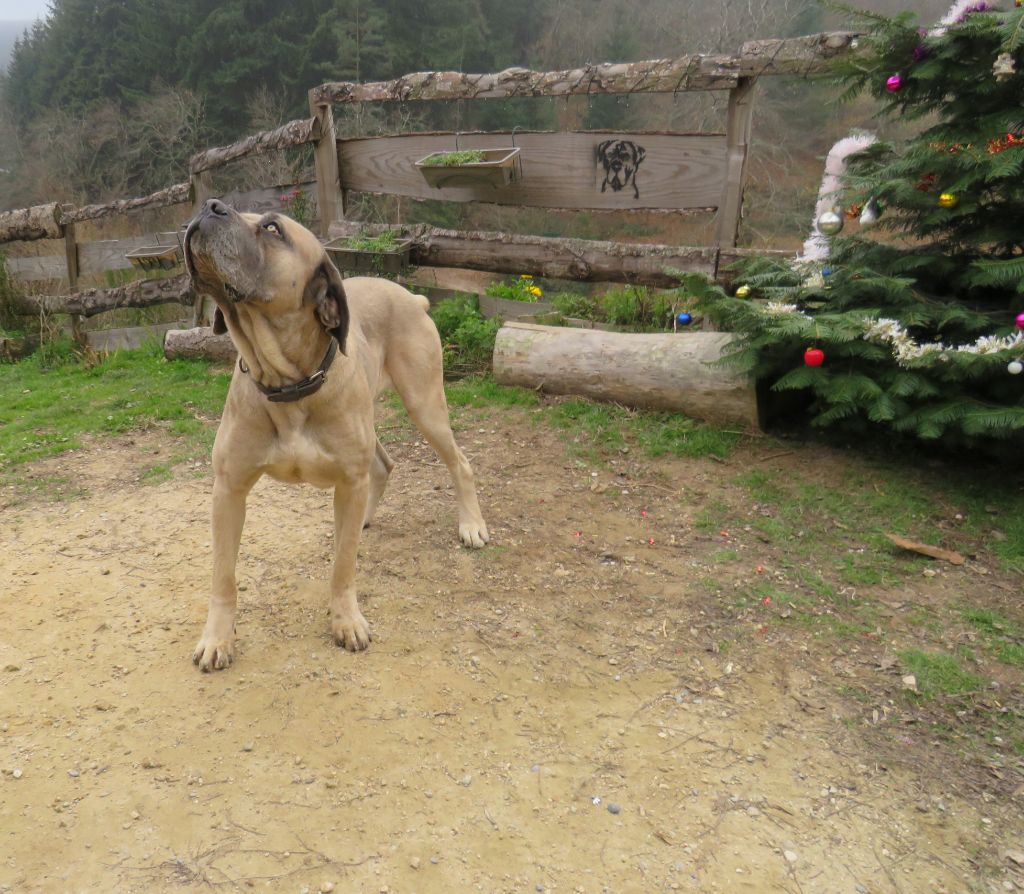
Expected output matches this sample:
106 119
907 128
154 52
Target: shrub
522 289
466 337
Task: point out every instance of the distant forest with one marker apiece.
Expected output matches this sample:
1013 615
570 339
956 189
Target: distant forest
109 97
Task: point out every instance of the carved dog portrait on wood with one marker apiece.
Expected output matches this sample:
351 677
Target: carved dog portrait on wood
620 160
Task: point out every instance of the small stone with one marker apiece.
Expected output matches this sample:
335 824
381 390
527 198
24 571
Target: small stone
466 780
326 887
415 862
135 814
753 811
74 774
613 807
248 746
910 682
16 773
791 856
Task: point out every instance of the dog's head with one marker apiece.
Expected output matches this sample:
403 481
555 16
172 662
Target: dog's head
620 159
266 260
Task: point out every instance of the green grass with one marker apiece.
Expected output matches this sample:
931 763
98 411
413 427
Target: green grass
1002 637
49 401
939 674
483 391
612 427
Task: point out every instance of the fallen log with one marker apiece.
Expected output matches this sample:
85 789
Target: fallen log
37 222
199 344
663 371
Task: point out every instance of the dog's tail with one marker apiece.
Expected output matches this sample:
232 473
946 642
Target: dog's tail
422 301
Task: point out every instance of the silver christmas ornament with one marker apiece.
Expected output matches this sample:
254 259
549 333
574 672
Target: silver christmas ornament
869 216
829 223
1015 367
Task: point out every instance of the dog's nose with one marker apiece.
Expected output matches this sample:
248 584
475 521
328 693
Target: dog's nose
216 207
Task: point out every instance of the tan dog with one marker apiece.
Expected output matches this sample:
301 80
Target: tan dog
288 310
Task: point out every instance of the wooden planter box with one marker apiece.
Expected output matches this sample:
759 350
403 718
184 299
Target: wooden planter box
507 309
497 169
155 257
358 260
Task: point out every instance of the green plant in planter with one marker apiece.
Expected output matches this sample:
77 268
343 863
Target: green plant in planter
577 306
383 242
522 289
456 158
637 307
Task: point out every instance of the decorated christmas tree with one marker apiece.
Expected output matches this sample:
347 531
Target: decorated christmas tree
905 311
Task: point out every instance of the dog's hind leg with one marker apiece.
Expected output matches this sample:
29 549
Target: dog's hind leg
379 472
430 414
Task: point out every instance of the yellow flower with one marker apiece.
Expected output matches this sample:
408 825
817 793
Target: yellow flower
535 291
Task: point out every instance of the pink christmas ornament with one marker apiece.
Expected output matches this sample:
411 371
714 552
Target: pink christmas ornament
1020 321
894 83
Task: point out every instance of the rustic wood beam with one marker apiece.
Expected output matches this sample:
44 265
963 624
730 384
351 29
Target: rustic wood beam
805 55
796 55
89 302
294 133
584 260
172 195
37 222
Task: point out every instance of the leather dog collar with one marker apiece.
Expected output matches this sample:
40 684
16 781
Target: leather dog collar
307 386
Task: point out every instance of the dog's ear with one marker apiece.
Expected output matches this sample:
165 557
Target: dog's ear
327 293
219 326
602 150
639 153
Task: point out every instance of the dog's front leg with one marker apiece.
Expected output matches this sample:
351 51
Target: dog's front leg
216 647
347 623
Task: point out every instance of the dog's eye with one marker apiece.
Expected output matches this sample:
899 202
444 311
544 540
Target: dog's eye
272 227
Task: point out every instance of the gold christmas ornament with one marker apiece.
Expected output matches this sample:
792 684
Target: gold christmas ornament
948 200
743 292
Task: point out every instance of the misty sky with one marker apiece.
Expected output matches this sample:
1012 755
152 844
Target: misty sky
23 10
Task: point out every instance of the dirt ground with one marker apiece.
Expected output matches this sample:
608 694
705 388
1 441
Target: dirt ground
553 713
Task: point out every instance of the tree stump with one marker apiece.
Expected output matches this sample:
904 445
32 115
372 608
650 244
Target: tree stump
663 371
199 344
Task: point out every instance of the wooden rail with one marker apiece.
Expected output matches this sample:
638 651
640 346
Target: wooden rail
794 55
583 260
141 293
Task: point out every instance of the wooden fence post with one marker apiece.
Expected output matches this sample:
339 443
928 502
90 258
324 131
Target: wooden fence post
71 260
737 138
329 197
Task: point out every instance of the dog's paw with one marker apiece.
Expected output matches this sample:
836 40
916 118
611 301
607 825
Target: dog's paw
213 653
351 631
474 533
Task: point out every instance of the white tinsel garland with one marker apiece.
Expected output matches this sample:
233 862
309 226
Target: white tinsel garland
905 350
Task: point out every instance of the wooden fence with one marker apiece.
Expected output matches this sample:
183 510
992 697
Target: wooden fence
678 171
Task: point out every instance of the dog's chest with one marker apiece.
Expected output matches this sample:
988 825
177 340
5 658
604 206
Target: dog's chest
303 457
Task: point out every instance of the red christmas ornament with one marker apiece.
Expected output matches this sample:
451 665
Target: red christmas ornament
814 357
894 84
